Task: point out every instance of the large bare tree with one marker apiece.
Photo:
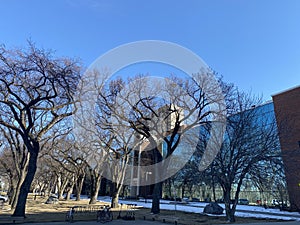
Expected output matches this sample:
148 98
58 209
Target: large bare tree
161 112
117 135
35 94
250 146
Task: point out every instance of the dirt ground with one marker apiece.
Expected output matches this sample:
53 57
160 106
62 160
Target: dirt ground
38 211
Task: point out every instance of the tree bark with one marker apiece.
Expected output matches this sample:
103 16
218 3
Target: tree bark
182 190
115 199
69 192
61 185
155 209
12 190
79 184
25 188
95 189
229 211
214 194
17 189
156 197
169 183
116 189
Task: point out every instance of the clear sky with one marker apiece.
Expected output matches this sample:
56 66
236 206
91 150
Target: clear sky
252 43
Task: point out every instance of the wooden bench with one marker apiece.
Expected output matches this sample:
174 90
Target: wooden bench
12 219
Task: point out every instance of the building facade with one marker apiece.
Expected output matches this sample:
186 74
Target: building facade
287 111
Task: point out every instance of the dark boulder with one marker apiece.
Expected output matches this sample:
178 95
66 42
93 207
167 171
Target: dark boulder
213 208
52 199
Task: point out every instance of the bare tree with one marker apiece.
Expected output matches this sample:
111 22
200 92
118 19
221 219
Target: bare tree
17 165
35 94
117 135
250 145
80 166
162 112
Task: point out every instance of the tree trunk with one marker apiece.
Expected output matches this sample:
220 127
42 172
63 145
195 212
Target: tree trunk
214 190
231 218
156 197
70 190
59 190
17 191
25 188
123 191
115 199
12 191
182 190
61 186
21 177
116 189
79 185
229 212
170 188
95 189
155 209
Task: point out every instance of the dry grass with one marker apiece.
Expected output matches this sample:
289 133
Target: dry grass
38 211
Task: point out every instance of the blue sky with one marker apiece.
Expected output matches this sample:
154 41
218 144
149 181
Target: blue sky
252 43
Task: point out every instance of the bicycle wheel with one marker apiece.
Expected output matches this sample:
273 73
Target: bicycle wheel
67 217
109 216
101 217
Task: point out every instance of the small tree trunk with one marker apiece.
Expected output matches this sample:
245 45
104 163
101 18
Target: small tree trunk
61 186
182 190
25 188
60 192
12 191
214 191
170 188
115 200
17 192
116 189
123 191
79 185
95 190
69 192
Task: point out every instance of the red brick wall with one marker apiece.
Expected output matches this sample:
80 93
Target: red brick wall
287 111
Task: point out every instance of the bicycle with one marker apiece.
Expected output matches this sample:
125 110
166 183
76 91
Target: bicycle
70 215
104 215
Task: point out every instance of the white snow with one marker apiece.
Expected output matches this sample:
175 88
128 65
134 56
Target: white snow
197 207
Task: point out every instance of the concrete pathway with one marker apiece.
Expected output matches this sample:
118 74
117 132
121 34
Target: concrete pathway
145 222
114 222
268 223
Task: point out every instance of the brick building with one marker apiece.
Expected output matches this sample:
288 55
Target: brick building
287 111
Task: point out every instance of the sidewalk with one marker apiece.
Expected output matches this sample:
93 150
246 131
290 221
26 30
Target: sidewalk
114 222
268 223
145 222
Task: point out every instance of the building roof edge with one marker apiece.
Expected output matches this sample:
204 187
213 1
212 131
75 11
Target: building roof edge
289 89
